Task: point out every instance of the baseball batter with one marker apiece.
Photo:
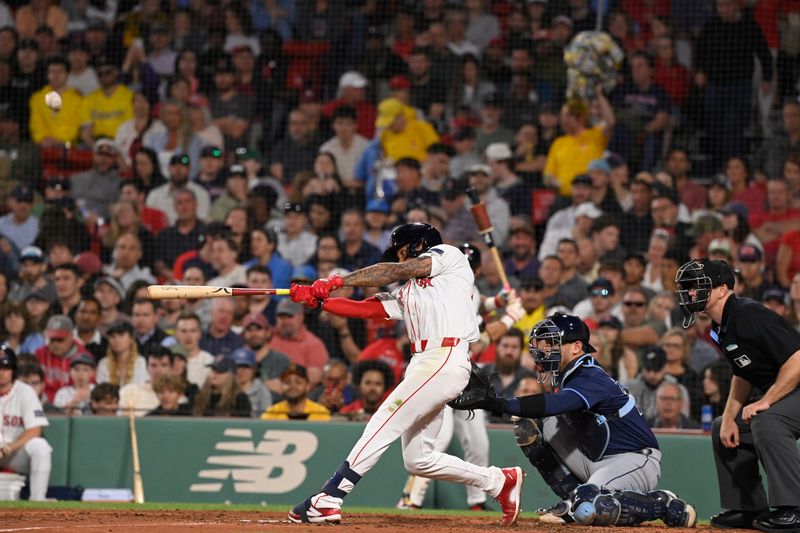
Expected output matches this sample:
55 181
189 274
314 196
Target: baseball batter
434 301
22 448
469 429
592 445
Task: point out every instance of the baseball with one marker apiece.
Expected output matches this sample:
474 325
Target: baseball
53 100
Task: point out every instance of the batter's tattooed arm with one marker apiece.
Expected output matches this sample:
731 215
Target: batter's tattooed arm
386 273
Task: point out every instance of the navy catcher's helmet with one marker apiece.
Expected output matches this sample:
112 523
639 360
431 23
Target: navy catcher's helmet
473 255
8 359
418 236
695 280
547 337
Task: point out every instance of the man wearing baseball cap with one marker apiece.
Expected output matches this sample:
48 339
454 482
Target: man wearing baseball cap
296 405
211 175
347 145
247 378
163 197
234 195
19 226
750 262
55 356
97 188
32 276
509 186
257 334
352 93
295 340
402 134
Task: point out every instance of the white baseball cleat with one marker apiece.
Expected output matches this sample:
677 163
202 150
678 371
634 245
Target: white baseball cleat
320 508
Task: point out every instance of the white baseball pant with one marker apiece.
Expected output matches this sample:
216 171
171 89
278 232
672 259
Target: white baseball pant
34 459
474 440
414 412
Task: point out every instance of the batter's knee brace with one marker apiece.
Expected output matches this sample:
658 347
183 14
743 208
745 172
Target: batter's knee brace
557 476
38 449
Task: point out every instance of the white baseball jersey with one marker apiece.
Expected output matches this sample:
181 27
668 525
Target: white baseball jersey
20 410
438 306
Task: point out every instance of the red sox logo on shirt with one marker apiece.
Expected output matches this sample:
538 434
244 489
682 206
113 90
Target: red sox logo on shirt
424 282
12 420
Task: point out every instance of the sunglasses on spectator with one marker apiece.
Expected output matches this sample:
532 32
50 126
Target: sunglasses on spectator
669 398
633 304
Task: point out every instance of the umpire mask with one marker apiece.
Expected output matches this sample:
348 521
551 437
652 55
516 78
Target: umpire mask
695 280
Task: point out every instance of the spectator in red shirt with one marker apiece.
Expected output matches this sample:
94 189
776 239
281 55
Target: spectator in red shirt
744 190
353 92
154 220
55 356
668 73
374 381
787 264
295 340
779 218
388 348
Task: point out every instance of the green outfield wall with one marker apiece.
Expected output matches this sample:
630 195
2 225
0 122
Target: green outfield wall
251 461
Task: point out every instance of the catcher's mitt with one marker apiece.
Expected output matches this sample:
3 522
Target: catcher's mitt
478 394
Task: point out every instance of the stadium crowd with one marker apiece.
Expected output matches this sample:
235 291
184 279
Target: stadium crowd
266 142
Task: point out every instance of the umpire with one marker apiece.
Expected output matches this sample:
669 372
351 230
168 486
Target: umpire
764 353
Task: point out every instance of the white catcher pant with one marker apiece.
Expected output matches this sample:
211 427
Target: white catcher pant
474 440
34 459
414 411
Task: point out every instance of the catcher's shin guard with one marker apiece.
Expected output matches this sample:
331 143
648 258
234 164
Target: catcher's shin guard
557 476
636 507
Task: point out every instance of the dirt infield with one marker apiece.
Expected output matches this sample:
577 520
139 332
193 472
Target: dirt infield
89 521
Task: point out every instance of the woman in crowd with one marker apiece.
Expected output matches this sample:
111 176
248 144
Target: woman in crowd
236 219
263 251
177 138
131 133
469 90
718 194
136 290
17 329
320 214
743 188
122 364
186 69
676 345
620 362
221 395
147 168
125 219
791 173
716 386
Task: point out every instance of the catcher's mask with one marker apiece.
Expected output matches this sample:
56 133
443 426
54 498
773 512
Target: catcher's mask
695 280
547 338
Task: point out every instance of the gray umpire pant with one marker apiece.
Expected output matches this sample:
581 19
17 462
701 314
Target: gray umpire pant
771 438
639 471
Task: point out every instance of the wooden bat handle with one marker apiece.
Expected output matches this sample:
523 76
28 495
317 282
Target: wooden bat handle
501 270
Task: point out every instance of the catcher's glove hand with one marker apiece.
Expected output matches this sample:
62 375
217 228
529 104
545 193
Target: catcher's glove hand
478 394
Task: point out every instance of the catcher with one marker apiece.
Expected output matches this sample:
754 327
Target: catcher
588 439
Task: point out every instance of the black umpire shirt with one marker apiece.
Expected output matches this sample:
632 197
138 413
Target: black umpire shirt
756 342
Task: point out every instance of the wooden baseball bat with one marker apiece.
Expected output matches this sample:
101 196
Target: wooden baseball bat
173 292
485 228
138 486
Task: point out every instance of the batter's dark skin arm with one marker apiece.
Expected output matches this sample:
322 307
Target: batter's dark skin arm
387 273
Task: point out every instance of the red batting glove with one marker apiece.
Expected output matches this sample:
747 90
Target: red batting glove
322 288
302 294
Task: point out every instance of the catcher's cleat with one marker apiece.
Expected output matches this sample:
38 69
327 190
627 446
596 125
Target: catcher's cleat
318 509
509 497
556 514
678 513
526 432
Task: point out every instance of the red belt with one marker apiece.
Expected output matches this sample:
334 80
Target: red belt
421 346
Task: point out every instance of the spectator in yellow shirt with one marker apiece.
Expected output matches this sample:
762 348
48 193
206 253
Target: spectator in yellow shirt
296 405
531 292
571 153
52 128
402 134
106 108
